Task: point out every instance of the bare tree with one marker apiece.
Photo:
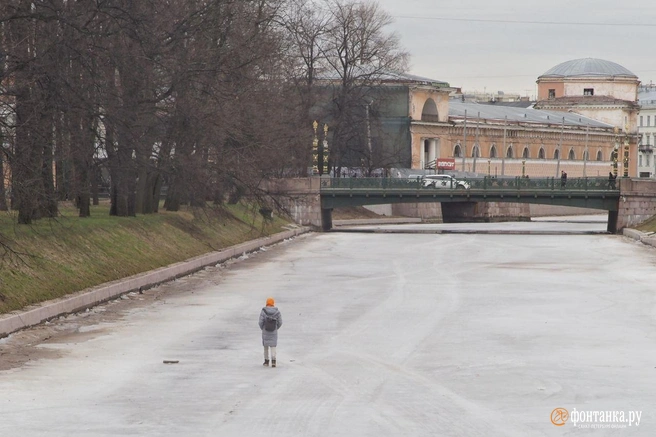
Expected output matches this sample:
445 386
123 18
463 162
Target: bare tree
360 54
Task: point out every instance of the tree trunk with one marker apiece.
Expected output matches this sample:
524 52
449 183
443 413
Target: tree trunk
3 199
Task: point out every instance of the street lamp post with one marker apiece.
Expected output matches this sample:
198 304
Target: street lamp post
614 153
315 150
626 155
325 149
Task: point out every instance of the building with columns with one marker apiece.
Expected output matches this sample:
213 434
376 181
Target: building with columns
598 89
587 116
510 141
647 131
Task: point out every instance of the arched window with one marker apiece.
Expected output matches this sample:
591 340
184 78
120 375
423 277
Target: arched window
509 153
557 154
526 154
571 155
476 152
457 151
599 156
586 155
493 151
429 111
541 154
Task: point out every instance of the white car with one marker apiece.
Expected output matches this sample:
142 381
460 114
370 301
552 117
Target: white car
444 181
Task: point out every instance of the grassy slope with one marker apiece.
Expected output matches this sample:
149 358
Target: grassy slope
56 257
648 226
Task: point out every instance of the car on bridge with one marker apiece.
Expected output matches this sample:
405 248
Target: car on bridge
444 181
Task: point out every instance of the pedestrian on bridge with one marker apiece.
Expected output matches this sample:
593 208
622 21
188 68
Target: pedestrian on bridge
270 322
563 179
611 181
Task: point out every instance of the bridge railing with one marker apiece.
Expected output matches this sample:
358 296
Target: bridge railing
485 183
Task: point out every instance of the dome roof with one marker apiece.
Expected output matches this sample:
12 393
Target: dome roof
588 67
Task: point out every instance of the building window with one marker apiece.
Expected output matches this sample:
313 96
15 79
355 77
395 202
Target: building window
586 155
541 154
588 91
552 93
476 153
641 121
647 159
599 156
648 120
509 152
640 159
457 152
526 153
557 154
493 151
571 156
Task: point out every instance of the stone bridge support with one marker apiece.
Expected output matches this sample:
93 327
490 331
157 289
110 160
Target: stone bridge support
467 212
300 199
637 203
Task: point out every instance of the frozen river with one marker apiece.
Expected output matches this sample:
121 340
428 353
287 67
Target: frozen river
385 334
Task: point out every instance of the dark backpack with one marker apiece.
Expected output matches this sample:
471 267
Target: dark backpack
270 322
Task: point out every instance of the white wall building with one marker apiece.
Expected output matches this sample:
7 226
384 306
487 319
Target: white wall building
647 131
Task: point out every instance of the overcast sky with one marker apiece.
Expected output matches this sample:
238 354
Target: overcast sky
510 47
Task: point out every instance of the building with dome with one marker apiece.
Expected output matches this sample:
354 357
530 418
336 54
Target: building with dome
598 89
586 108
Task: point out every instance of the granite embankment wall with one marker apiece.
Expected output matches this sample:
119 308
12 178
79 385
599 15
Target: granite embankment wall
79 301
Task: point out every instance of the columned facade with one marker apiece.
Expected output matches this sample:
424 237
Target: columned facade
600 90
528 150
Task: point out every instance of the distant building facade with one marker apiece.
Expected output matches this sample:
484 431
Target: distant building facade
597 89
587 112
647 131
493 139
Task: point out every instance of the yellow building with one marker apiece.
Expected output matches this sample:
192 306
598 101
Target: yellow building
586 115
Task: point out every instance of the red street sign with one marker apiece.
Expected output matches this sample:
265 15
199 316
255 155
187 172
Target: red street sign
445 164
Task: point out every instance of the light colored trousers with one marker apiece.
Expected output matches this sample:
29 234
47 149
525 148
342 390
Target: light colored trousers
266 352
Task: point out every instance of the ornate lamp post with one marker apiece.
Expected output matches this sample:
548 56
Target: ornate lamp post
614 153
625 163
325 149
315 150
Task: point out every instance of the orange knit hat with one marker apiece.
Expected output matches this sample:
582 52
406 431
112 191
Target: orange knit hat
270 302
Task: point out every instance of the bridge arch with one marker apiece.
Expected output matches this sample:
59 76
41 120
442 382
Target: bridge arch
429 111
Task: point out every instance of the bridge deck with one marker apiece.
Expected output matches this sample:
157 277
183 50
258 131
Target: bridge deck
597 193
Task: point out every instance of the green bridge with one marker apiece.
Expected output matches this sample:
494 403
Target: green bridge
597 193
311 200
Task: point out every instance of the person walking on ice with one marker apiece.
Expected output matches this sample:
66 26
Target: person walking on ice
270 322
